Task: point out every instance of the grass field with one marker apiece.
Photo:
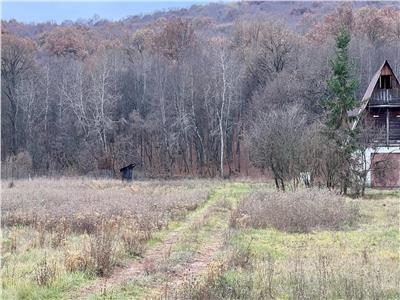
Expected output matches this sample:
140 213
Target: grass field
195 239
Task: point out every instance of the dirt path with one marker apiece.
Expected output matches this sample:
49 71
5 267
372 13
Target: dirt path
205 250
123 275
186 270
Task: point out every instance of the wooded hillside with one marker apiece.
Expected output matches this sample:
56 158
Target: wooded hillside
174 92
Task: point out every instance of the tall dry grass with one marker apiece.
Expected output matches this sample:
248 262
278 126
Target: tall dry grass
82 205
319 277
111 218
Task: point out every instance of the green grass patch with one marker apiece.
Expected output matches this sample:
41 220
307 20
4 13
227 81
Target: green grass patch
356 262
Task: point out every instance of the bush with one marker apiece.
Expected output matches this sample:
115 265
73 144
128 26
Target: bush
102 251
300 211
45 272
134 240
75 261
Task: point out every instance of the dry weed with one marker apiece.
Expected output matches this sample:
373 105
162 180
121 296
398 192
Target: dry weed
102 251
45 272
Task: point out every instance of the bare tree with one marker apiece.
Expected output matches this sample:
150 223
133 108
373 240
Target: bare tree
275 140
16 61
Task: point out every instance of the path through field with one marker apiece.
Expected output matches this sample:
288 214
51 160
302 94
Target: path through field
185 251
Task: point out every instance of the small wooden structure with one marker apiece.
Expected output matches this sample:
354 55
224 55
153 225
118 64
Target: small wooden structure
127 172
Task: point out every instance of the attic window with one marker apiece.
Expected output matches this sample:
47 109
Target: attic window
385 82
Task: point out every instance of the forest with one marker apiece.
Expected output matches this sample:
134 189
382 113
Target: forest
181 96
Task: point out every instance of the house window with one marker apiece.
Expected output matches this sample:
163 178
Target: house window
385 82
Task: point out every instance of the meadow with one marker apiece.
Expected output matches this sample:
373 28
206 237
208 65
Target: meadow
195 239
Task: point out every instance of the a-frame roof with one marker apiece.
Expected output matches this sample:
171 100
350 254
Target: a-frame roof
368 93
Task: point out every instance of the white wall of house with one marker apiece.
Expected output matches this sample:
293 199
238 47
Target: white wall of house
368 157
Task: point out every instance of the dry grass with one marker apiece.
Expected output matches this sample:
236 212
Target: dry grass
80 206
301 211
130 213
320 277
86 227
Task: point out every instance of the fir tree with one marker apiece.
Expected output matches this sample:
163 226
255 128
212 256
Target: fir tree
341 85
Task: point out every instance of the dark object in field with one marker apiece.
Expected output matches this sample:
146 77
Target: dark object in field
126 172
11 184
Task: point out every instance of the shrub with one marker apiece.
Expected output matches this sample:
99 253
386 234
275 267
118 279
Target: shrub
75 261
59 235
134 240
300 211
45 272
102 251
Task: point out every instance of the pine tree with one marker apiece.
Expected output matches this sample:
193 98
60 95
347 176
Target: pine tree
341 85
341 89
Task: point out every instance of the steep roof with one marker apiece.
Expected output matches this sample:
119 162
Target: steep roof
368 93
130 166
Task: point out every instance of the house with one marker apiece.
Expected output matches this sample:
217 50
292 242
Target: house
126 172
380 108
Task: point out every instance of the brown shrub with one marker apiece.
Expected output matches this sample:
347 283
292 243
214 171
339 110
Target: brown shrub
134 240
75 261
300 211
59 235
102 251
45 272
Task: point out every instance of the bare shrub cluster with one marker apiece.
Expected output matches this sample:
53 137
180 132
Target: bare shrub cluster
301 211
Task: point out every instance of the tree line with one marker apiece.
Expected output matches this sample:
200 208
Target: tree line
182 96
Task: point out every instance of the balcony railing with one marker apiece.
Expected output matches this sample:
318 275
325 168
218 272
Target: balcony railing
379 135
385 97
382 142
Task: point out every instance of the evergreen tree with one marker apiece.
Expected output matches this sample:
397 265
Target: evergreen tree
341 85
341 90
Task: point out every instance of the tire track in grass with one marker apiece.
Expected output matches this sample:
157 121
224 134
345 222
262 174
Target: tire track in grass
214 230
201 234
207 251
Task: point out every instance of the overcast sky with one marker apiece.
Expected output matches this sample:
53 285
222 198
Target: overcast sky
58 11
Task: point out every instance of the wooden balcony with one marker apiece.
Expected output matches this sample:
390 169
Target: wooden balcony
385 98
384 124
